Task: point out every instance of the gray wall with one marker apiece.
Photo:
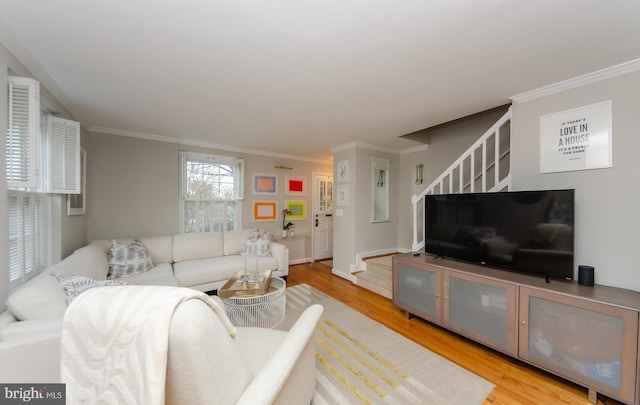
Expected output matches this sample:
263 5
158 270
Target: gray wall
133 187
408 188
372 236
353 232
607 200
344 221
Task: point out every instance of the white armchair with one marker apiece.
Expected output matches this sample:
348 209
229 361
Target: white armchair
204 363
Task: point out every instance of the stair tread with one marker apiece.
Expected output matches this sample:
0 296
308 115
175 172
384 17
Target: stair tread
382 271
378 276
383 261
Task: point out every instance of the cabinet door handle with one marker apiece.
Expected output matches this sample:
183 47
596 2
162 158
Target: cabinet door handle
524 322
446 298
437 295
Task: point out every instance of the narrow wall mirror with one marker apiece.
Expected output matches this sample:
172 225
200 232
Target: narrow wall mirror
379 189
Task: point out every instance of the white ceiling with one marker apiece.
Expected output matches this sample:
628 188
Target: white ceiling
298 78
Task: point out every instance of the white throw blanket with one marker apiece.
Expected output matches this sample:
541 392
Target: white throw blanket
115 342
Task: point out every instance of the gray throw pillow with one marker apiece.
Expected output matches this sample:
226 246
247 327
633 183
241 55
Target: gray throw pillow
125 260
76 285
257 244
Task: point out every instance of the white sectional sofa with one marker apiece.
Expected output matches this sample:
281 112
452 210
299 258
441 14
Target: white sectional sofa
203 261
30 328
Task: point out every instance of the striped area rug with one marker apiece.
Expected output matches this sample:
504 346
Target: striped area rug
360 361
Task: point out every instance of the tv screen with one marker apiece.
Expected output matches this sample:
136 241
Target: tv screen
529 231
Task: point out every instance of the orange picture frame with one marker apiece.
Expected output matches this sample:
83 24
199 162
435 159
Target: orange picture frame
265 211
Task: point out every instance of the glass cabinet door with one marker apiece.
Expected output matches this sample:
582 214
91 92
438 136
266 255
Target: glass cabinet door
482 309
591 343
417 290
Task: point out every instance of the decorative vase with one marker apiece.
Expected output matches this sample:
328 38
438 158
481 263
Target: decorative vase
284 233
292 233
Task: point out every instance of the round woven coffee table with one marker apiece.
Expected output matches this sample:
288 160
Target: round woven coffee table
264 311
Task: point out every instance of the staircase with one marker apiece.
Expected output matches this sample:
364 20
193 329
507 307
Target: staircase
484 167
378 276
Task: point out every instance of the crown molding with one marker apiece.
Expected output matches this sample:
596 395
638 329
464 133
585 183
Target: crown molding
363 145
589 78
415 149
203 144
340 148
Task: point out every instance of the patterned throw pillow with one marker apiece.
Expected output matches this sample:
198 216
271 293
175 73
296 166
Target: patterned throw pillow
257 244
76 285
125 260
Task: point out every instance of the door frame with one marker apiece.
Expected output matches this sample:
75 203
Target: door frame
314 206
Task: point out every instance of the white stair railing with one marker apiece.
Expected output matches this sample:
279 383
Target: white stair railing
484 167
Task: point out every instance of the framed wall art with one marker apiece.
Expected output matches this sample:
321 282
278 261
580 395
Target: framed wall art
576 139
342 195
298 209
265 183
265 211
295 185
342 171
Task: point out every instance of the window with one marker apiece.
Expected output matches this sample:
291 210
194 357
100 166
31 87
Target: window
39 158
212 191
27 209
28 247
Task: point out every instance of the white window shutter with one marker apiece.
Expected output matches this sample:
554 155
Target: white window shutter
239 180
22 141
63 155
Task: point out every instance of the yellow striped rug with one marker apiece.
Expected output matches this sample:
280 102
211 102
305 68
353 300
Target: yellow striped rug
360 361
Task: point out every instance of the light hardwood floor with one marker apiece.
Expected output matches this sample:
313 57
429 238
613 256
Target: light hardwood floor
516 382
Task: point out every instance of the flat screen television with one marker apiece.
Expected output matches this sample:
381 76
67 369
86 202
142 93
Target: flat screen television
528 231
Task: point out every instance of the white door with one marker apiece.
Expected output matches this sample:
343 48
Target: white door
322 217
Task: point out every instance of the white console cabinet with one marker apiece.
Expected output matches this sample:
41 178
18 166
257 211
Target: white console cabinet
588 335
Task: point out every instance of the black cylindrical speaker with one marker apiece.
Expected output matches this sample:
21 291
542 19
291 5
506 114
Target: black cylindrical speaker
585 275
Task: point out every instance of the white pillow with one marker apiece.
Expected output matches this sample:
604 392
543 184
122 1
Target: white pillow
76 285
125 260
257 244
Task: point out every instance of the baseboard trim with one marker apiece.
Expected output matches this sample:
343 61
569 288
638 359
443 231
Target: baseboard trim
344 275
300 261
